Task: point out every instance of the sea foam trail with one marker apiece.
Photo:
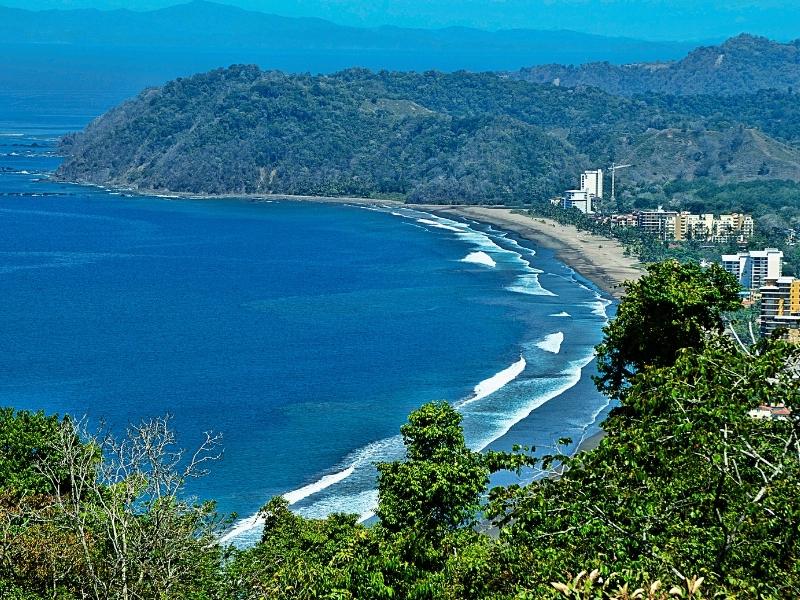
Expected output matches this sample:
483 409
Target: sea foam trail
526 283
439 225
495 382
250 523
312 488
552 343
569 378
561 314
479 258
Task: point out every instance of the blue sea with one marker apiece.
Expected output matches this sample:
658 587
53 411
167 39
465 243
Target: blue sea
304 333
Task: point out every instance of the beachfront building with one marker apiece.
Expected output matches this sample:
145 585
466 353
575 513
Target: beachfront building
780 307
592 183
753 268
735 226
681 226
590 191
579 199
660 223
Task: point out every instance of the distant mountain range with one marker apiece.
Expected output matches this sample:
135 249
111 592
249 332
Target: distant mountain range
647 19
738 66
77 47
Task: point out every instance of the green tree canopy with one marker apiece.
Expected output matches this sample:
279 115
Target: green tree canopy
28 440
673 306
438 487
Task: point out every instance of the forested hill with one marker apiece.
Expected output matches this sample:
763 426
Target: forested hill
423 137
739 66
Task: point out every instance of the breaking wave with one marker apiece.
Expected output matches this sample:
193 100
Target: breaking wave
479 258
552 343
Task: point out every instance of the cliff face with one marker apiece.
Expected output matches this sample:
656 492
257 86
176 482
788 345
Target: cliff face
739 66
430 137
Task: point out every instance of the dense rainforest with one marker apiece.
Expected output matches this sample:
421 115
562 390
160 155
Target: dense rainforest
423 137
739 66
687 496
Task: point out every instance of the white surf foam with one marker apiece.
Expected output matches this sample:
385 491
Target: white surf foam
552 343
439 225
570 377
526 283
561 314
529 284
479 258
361 503
249 524
312 488
495 382
599 307
242 527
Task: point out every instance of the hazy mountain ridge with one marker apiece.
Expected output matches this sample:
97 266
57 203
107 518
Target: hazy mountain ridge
201 24
738 66
424 137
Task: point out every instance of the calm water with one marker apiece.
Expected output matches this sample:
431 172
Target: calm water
304 333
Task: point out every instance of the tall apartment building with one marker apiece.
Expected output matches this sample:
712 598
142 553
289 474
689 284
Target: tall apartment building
780 307
755 267
592 183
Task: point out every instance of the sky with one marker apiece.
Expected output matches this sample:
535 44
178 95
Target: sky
645 19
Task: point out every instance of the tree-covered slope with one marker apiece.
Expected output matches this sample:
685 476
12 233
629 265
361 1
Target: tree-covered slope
739 66
424 137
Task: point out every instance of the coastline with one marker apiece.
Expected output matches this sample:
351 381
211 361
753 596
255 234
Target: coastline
599 259
591 442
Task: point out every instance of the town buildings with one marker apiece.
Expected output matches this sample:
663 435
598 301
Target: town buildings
780 307
584 198
681 226
753 268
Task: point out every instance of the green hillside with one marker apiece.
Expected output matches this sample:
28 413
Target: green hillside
429 137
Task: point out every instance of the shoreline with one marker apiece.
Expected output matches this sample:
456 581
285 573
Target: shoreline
605 265
591 442
599 259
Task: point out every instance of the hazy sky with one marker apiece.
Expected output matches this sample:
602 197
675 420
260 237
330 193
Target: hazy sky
651 19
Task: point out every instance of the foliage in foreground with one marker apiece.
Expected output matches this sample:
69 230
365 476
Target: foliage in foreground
687 495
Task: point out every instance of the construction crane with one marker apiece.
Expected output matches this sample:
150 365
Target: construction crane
614 168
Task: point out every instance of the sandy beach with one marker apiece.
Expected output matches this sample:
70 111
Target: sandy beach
598 258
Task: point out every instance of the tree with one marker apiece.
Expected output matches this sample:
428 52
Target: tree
115 523
694 484
439 485
673 307
27 441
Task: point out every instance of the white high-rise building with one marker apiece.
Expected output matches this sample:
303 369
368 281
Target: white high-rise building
592 183
755 267
579 199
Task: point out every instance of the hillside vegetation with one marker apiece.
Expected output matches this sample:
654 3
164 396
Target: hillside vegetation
432 137
739 66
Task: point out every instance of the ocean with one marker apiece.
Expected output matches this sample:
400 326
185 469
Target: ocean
305 333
